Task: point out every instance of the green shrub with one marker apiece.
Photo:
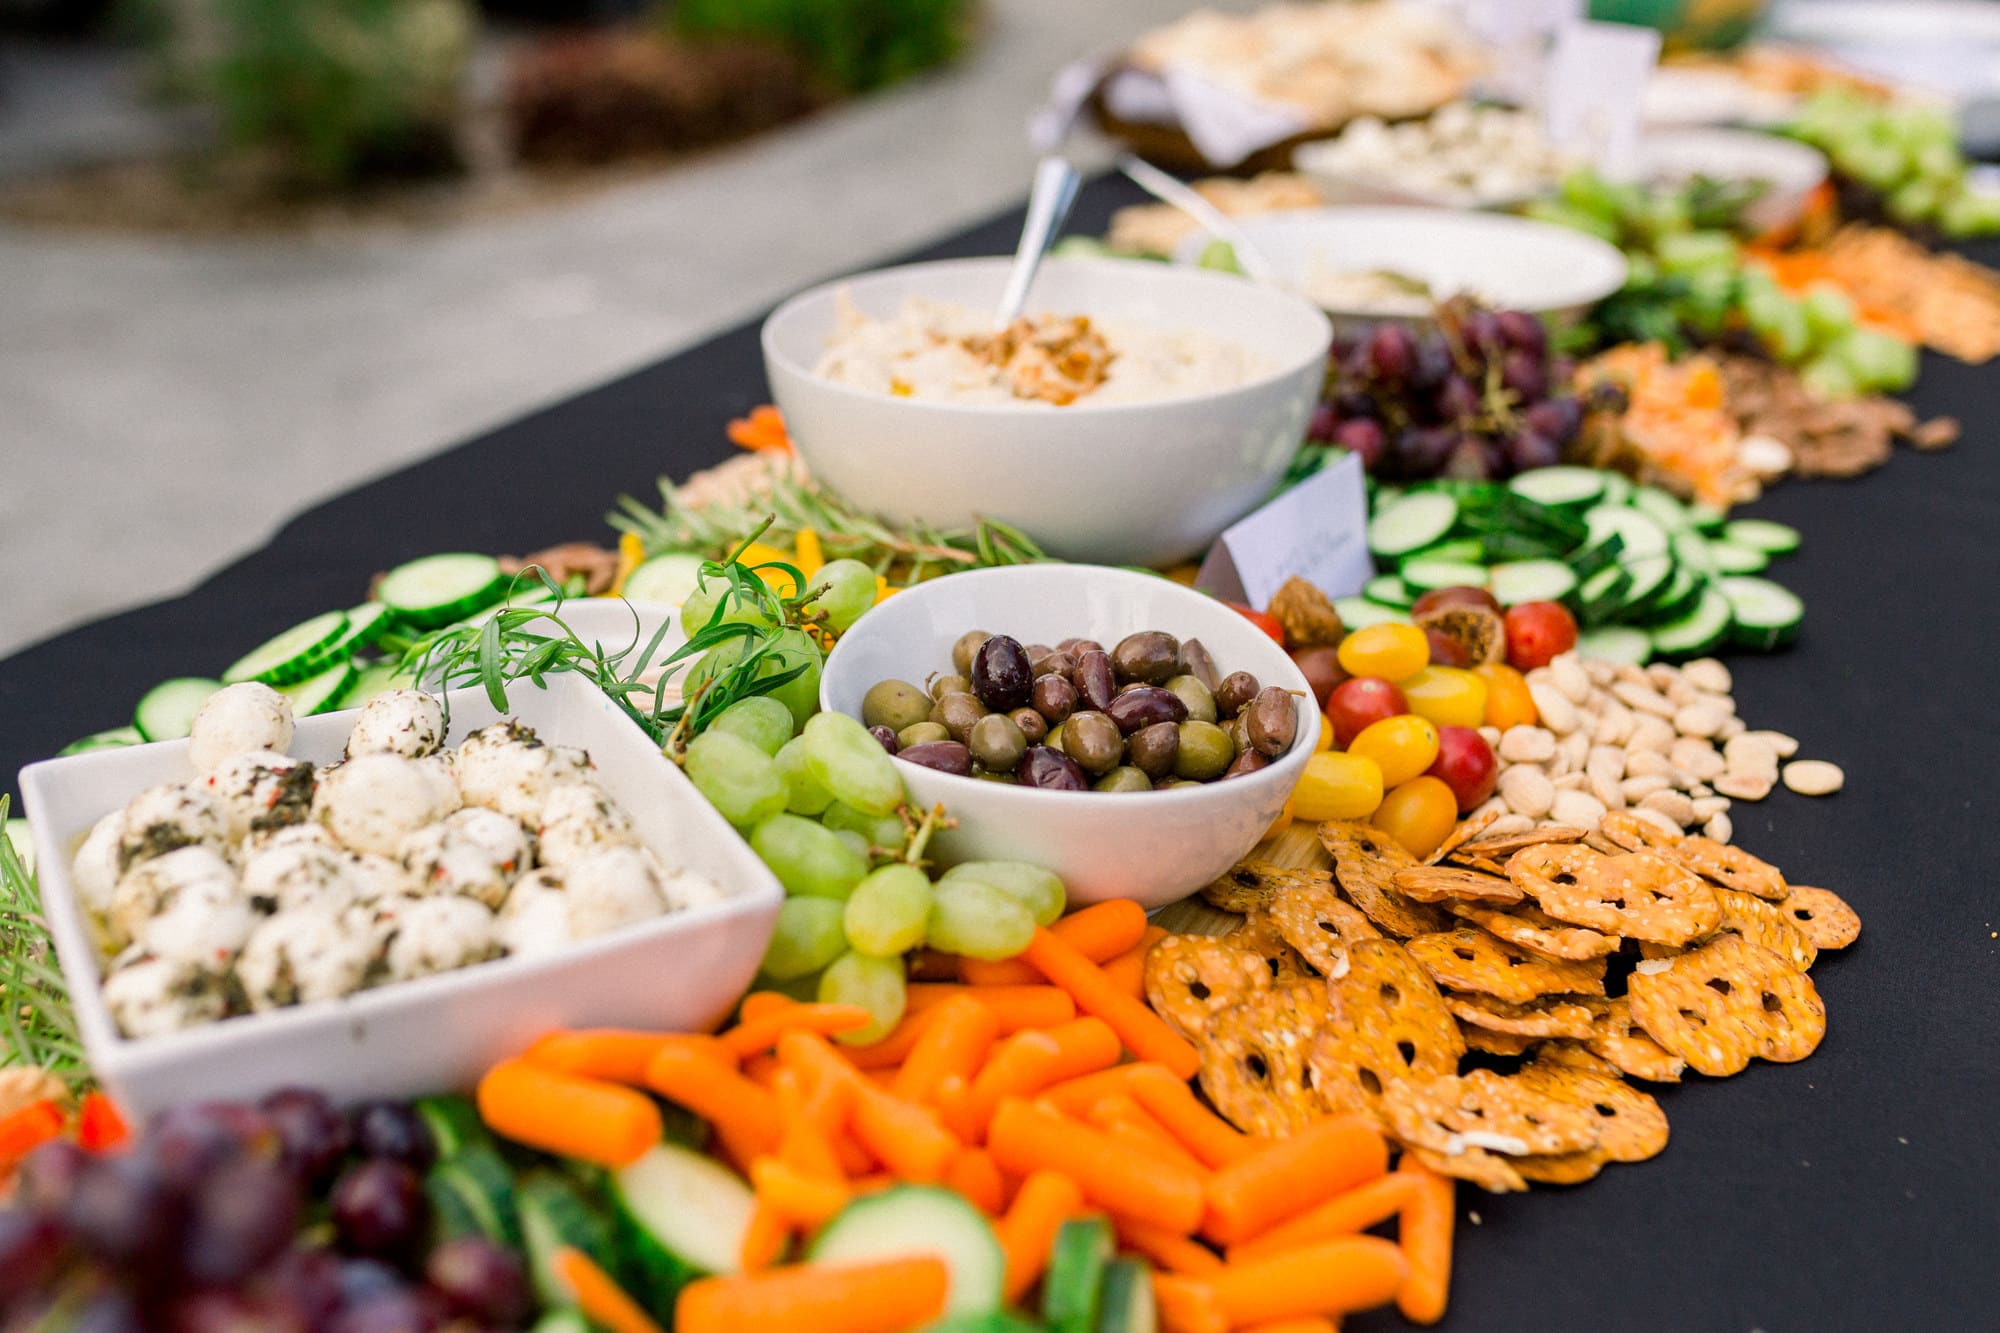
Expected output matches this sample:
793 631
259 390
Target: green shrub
855 45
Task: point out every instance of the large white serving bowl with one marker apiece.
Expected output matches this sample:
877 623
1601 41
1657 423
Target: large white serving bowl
1507 262
681 972
1122 483
1789 169
1156 847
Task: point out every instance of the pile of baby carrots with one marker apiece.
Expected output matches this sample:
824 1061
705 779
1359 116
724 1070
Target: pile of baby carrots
1012 1086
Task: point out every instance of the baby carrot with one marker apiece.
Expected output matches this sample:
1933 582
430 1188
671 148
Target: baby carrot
1075 1097
894 1048
761 1004
1125 1120
1330 1277
1208 1136
1100 933
1344 1214
1317 1323
566 1114
1142 1032
761 1069
1128 970
613 1053
1016 1007
1188 1305
903 1136
802 1143
955 1041
882 1297
22 1131
764 1239
1426 1239
973 1174
1025 1137
1174 1253
600 1298
1028 1231
762 1033
745 1115
1020 1065
1284 1178
800 1197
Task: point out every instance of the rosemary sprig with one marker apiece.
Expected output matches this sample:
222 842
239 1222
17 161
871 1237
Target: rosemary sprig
35 1019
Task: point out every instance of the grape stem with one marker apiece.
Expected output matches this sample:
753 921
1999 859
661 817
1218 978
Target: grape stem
921 830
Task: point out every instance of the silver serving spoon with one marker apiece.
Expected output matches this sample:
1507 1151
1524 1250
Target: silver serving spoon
1213 220
1048 204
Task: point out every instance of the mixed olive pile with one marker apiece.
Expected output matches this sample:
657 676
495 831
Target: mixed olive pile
1153 712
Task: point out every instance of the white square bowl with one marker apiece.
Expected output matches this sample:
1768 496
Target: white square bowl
681 972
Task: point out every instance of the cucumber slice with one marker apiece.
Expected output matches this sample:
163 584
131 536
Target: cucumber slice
1731 558
1561 487
1359 613
322 693
985 1321
366 623
666 578
23 842
1592 559
563 1321
439 589
1641 536
1412 523
299 652
1650 576
452 1216
115 739
1691 549
1663 508
1073 1289
1762 534
1676 599
921 1219
1424 575
1388 590
454 1124
1618 488
1706 517
1127 1304
1464 550
1766 615
1700 631
1602 595
483 1187
1616 643
373 679
554 1214
684 1215
1531 581
167 711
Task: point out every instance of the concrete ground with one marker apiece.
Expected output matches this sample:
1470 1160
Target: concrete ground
166 403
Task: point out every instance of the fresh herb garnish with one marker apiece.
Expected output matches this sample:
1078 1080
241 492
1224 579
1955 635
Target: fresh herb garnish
35 1018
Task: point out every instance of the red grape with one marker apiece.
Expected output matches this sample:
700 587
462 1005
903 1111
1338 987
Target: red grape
482 1281
1356 703
1558 419
125 1211
1468 460
1530 449
1524 375
1392 353
234 1311
1324 424
1457 401
1538 632
314 1135
1522 332
1456 595
362 1280
48 1174
379 1209
404 1310
1432 365
1322 670
1480 332
1465 763
107 1311
311 1280
190 1140
1363 436
1422 450
31 1246
239 1217
395 1131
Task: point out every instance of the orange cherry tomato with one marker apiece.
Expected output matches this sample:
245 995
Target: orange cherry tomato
1338 786
1402 746
1420 814
1508 703
1389 650
1324 740
1282 822
1448 696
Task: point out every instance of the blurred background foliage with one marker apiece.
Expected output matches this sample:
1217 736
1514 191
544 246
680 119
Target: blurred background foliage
855 45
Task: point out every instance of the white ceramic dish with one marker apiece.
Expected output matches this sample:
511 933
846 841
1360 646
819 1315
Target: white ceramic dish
1790 170
680 972
1156 847
1128 483
1511 263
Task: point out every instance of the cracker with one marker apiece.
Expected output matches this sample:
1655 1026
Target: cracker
1517 1118
1765 923
1635 894
1390 1025
1503 845
1822 916
1548 1017
1472 960
1436 884
1365 861
1253 1065
1192 978
1631 1127
1577 1055
1728 1001
1618 1040
1731 867
1260 935
1569 1168
1463 832
1528 927
1488 1042
1319 924
1252 884
1632 834
1490 1171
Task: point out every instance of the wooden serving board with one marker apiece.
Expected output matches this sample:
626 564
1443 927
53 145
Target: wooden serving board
1296 847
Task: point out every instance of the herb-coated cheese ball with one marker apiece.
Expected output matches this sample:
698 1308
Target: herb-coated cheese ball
405 722
371 803
237 719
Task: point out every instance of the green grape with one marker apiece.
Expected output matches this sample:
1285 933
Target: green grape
852 839
738 779
1036 889
803 794
844 590
888 912
809 935
1829 313
874 984
852 764
885 832
700 606
800 694
759 719
1876 360
1826 378
807 859
978 920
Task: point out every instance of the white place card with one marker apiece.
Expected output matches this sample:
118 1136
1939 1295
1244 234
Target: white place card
1317 531
1597 76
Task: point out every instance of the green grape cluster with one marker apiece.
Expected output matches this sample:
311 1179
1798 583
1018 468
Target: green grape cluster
1906 154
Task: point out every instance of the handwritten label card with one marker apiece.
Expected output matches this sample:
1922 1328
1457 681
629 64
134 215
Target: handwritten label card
1597 76
1318 531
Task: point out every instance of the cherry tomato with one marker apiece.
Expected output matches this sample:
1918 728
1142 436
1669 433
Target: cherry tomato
1354 704
1337 786
1447 696
1323 740
1458 595
1508 703
1465 763
1388 650
1282 822
1262 620
1445 650
1322 670
1420 814
1402 746
1537 632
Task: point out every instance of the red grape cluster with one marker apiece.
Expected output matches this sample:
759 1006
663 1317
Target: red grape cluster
202 1225
1479 396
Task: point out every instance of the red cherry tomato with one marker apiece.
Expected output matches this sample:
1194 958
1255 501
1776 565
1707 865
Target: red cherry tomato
1445 650
1537 632
1357 704
1465 763
1322 670
1262 620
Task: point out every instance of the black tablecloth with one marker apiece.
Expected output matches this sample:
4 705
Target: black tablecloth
1858 1190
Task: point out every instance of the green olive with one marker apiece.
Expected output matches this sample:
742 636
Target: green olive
1197 696
940 686
1094 741
1206 752
1123 778
996 743
1173 783
962 651
894 704
957 713
920 733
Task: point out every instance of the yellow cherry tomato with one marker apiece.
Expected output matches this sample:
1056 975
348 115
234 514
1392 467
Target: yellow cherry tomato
1324 740
1508 703
1402 747
1391 651
1448 696
1337 786
1419 814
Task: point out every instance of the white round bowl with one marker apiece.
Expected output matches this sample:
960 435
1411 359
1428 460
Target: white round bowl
1789 169
1122 483
1155 847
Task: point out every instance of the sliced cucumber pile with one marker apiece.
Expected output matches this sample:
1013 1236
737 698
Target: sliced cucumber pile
921 1219
1645 573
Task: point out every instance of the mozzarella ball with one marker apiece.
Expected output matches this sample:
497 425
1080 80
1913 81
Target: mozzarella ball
302 956
505 767
475 852
439 934
151 888
307 834
296 876
405 722
578 819
612 888
373 802
236 720
535 919
161 819
377 878
261 790
149 997
94 872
